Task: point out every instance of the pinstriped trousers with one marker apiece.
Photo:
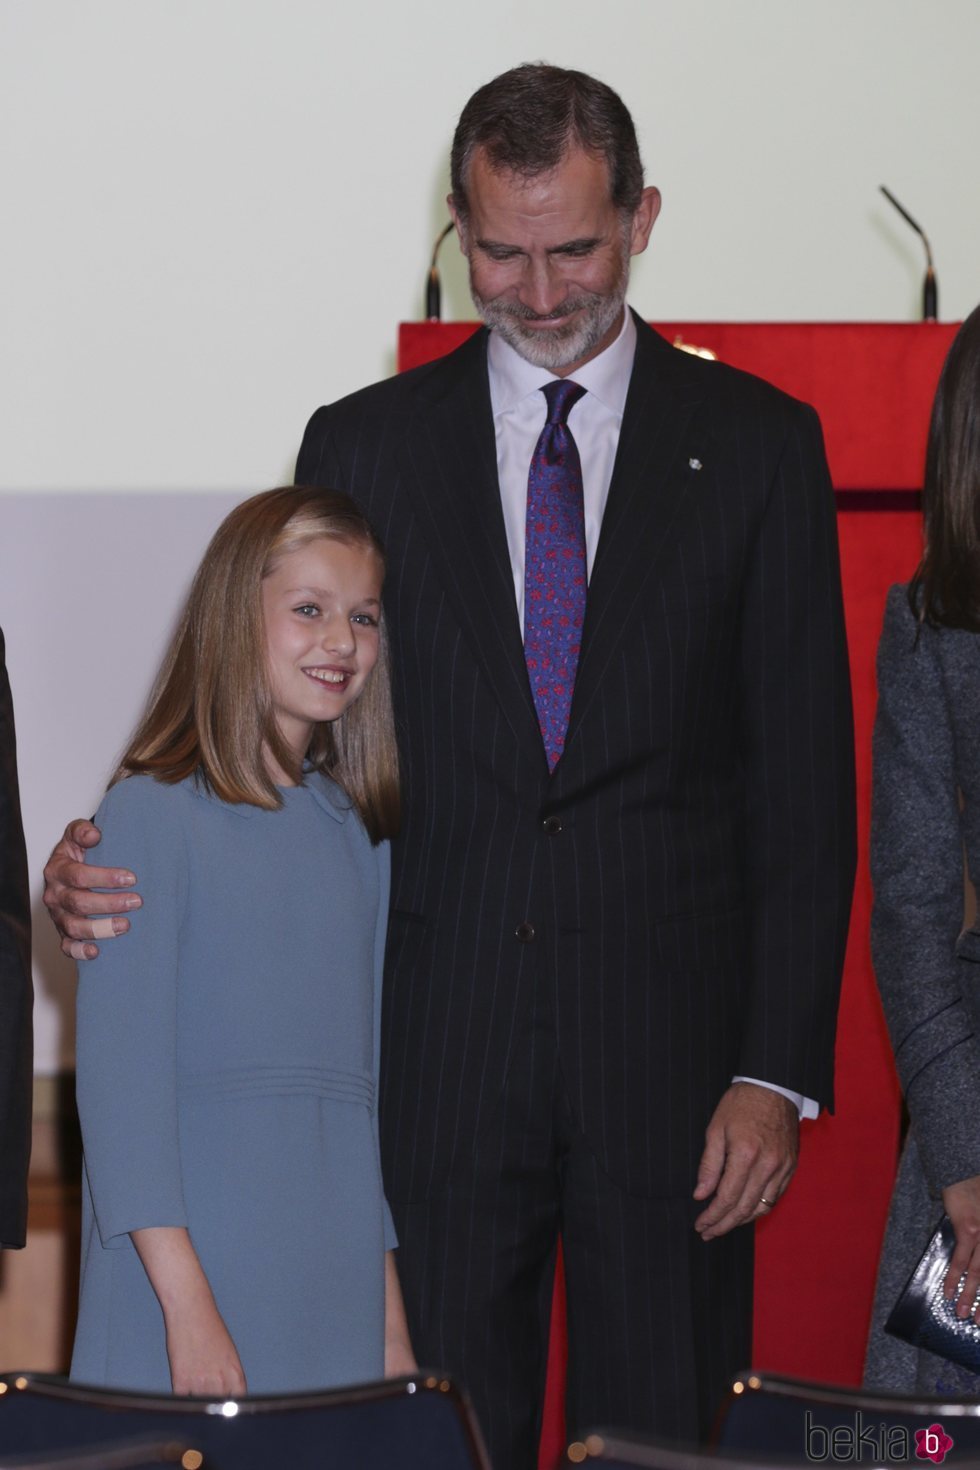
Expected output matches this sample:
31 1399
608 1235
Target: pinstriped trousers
658 1320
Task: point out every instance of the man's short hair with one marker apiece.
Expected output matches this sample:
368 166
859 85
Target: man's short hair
527 118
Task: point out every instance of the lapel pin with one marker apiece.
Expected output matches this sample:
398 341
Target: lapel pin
695 464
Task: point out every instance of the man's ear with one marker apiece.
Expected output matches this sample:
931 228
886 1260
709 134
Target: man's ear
458 220
644 220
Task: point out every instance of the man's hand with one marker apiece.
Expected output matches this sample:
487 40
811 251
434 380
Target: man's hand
961 1202
79 914
749 1156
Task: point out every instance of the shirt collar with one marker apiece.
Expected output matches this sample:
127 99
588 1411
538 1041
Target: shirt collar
606 377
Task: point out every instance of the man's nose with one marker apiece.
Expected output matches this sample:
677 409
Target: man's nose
543 287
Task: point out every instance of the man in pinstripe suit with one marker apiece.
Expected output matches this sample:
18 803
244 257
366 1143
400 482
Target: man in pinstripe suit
16 991
611 987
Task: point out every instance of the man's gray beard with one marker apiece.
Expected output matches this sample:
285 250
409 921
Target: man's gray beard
559 348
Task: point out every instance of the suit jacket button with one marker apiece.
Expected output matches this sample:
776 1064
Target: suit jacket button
552 826
525 932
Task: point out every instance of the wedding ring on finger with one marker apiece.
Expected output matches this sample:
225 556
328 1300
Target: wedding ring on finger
769 1203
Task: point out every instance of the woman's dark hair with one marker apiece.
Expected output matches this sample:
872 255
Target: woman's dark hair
946 587
527 118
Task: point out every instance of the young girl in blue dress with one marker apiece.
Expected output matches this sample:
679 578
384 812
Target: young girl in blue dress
235 1232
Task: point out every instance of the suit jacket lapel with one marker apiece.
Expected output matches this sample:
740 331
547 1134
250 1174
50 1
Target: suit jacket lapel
651 479
450 464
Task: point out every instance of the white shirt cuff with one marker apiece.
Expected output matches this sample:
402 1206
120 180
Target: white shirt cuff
807 1107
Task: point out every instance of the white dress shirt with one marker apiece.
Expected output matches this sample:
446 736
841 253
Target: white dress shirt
519 413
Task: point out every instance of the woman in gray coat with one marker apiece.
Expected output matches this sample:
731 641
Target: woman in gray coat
925 819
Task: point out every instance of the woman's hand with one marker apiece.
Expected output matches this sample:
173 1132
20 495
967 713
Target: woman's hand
203 1358
962 1204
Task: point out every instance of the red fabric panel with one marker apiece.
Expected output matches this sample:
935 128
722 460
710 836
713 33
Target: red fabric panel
553 1437
863 377
817 1253
420 342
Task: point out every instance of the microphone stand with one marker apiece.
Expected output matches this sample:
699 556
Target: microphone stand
930 286
433 286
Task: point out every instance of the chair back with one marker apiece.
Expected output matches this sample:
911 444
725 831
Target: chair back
620 1450
131 1454
416 1423
797 1421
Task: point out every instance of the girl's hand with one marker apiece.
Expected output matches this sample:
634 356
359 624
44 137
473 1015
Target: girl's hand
399 1358
203 1358
961 1202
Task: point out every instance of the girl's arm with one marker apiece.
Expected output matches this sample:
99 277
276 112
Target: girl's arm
127 1027
127 1087
399 1358
203 1358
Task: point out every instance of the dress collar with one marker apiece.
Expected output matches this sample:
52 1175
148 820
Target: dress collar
326 793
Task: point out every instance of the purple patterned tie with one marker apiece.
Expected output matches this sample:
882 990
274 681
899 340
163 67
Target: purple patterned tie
554 567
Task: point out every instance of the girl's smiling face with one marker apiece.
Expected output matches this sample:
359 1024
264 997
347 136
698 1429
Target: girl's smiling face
322 607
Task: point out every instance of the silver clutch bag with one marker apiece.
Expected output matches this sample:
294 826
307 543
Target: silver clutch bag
923 1316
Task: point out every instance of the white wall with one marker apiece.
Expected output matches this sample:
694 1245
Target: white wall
89 587
215 213
217 210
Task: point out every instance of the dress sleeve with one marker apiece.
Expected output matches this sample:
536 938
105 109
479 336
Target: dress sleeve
917 915
384 863
127 1022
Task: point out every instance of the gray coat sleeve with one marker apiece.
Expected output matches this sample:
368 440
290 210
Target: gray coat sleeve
917 915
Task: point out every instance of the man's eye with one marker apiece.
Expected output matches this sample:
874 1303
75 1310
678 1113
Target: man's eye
502 255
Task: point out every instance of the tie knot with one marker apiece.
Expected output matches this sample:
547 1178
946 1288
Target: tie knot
562 396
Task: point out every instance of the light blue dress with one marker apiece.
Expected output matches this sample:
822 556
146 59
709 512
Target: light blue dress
227 1082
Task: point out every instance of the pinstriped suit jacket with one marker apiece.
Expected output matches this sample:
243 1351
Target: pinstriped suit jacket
687 869
16 992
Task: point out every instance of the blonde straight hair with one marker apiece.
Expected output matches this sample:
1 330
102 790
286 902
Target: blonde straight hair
211 712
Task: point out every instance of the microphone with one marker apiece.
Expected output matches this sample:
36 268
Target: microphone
930 286
433 287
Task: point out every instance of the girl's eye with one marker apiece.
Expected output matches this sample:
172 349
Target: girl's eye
307 609
365 620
